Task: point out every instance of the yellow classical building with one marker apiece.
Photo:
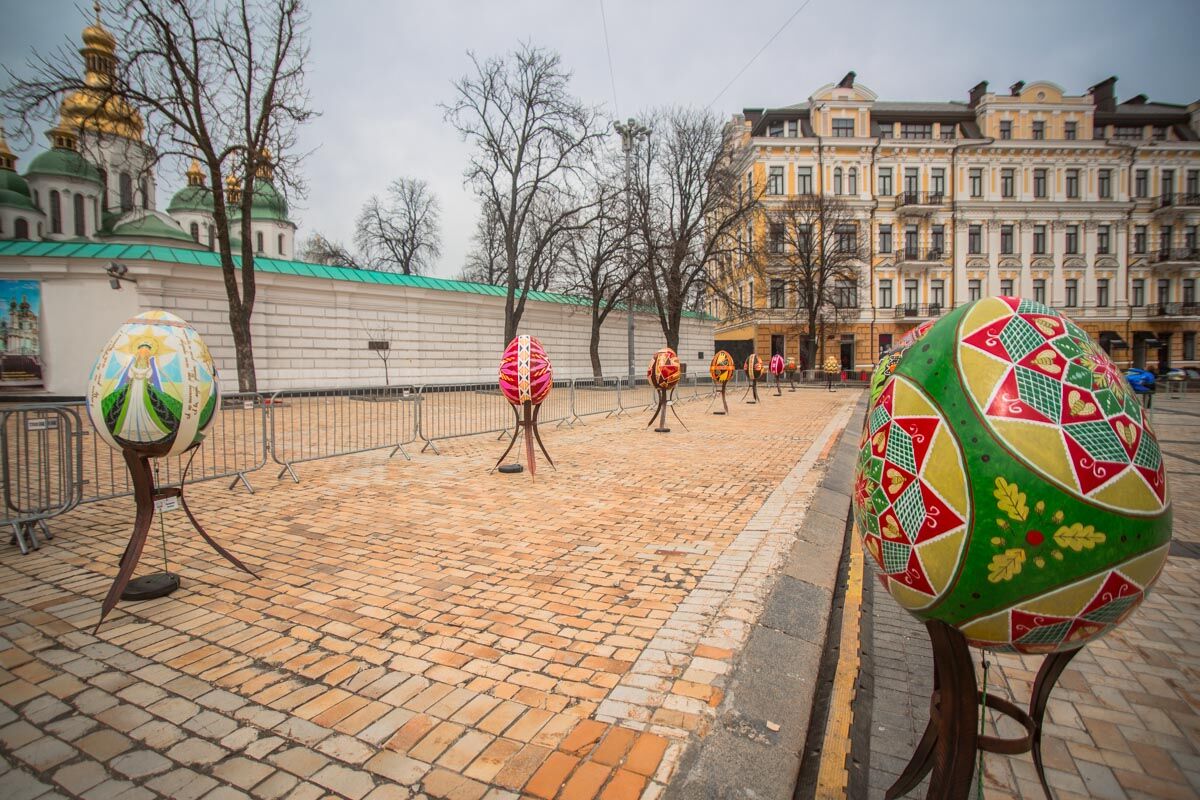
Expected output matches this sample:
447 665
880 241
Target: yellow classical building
1086 204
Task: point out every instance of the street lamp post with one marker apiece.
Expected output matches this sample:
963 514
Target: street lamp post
630 131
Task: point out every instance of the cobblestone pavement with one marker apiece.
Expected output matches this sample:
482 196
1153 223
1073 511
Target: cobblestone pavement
416 627
1124 720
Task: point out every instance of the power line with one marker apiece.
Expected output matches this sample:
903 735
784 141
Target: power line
761 50
608 51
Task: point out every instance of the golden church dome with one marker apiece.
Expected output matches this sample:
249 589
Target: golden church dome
97 107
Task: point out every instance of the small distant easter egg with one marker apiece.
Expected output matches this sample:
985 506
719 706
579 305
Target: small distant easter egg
776 366
722 367
154 387
664 369
790 367
525 373
1009 482
753 367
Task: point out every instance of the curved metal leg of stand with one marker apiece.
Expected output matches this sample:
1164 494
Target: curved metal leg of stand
516 432
143 495
778 390
537 410
230 557
1052 668
723 401
657 408
676 413
754 389
527 424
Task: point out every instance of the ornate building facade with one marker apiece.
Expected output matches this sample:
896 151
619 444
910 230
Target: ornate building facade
1086 204
97 182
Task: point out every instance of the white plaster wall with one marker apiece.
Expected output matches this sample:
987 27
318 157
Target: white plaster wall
312 332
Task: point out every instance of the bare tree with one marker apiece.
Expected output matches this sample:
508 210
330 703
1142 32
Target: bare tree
401 233
485 260
689 203
597 258
319 250
379 342
222 84
813 249
532 138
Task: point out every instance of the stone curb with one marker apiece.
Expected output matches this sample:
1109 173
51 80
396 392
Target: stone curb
755 746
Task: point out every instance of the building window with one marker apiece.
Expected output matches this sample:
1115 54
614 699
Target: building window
1168 184
843 128
775 129
1039 183
1102 293
21 228
1164 291
976 182
1006 240
910 241
775 180
1189 346
55 212
1103 240
1039 290
80 221
974 289
777 293
916 130
1159 133
1189 239
975 239
885 181
1069 130
804 183
791 128
1073 184
885 238
885 293
912 297
846 236
937 241
837 180
144 186
1104 184
1005 129
1189 291
258 242
845 294
1039 240
1072 299
948 131
1006 182
937 182
937 294
195 231
1137 295
1127 132
126 190
1193 186
1006 287
750 292
852 178
912 182
212 237
1165 236
804 242
775 237
886 130
1039 129
1141 183
281 244
1072 240
1139 239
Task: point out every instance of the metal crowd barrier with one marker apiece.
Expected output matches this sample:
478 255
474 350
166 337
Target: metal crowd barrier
40 454
590 396
310 424
449 411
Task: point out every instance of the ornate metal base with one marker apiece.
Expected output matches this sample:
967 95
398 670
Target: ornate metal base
951 740
528 423
149 587
145 494
511 469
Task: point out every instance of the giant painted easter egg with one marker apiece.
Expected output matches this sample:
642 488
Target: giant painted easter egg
722 367
754 367
525 373
776 364
664 369
1008 482
154 387
790 367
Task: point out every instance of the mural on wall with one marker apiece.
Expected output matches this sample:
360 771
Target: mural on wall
20 336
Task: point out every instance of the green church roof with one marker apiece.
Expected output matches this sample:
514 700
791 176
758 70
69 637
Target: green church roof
192 198
14 191
268 204
149 226
207 258
60 161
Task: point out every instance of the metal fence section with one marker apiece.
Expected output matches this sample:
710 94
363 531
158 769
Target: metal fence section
234 445
637 393
309 424
40 468
590 397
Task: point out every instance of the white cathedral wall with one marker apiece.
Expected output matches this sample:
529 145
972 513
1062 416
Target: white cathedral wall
311 332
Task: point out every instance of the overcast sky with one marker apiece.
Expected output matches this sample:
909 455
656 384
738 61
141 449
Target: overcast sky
380 68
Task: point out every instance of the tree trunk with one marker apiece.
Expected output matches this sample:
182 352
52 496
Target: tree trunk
594 350
243 347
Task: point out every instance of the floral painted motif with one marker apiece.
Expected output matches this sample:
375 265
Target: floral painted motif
1023 538
722 367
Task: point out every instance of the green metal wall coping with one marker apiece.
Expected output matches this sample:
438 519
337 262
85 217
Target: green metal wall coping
207 258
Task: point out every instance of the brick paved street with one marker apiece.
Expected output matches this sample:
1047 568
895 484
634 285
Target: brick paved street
1124 721
416 627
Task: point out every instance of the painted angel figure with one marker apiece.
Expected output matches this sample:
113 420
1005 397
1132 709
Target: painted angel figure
139 410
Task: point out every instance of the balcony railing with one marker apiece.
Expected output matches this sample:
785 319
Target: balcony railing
922 255
1175 255
922 200
1174 310
919 311
1186 200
